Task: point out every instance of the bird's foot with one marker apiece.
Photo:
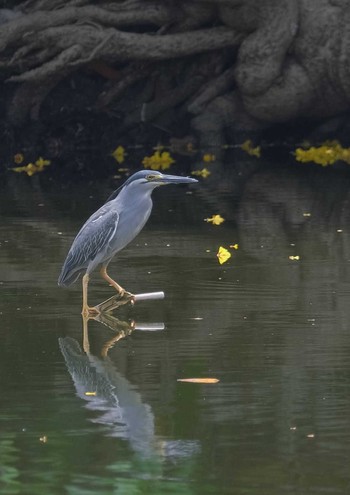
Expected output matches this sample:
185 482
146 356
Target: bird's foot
90 312
127 296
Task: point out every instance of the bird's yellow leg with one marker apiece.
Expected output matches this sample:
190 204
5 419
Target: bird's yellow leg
113 283
87 311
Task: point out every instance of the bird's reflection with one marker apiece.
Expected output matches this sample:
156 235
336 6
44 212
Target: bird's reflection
119 327
119 404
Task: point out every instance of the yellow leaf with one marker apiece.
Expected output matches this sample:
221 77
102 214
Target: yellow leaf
18 169
208 158
223 255
43 439
215 219
30 169
202 173
248 147
326 154
119 154
306 214
198 380
234 246
158 161
294 258
41 163
90 394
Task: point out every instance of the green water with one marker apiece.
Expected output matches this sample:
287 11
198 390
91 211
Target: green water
106 414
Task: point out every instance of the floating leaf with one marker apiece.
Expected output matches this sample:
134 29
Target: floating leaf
32 168
119 154
223 255
248 147
208 157
90 394
41 164
294 258
306 214
234 246
43 439
18 169
202 173
198 380
158 161
215 219
18 158
326 154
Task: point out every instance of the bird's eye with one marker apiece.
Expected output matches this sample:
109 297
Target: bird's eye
152 177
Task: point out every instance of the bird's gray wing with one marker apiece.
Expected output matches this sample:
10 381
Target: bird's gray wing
92 241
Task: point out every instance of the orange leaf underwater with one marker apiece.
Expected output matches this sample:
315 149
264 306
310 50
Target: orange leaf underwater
198 380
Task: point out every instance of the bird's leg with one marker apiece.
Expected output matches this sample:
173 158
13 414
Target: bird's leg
113 283
87 311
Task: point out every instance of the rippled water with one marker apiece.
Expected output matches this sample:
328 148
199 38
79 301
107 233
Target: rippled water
102 412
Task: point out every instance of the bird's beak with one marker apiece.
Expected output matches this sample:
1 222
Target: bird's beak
176 179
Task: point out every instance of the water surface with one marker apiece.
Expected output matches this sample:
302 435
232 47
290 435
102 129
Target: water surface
105 414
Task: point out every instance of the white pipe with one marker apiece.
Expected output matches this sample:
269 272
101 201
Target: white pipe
147 296
149 327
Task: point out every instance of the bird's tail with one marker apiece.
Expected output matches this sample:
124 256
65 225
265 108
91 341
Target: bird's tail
68 277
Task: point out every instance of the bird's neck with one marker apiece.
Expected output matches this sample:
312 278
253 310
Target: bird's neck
135 197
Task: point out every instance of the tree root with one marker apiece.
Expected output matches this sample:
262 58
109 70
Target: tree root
212 89
131 74
28 99
78 46
11 33
53 38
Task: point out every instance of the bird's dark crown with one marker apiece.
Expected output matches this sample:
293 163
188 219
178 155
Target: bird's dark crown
141 174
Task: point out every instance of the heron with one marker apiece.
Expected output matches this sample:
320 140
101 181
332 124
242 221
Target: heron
110 229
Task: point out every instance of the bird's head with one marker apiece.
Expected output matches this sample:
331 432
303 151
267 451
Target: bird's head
147 180
154 178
